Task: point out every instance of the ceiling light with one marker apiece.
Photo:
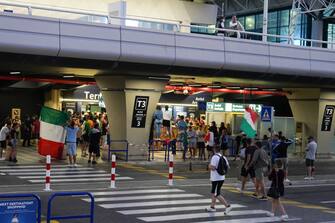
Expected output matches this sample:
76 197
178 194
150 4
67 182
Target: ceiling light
214 86
68 76
195 85
159 78
15 72
269 89
176 84
251 88
234 87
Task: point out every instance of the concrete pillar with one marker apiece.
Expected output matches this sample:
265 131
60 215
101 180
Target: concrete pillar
308 107
119 93
52 99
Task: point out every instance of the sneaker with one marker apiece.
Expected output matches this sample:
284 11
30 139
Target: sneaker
284 217
254 195
311 178
94 162
270 214
263 198
69 165
307 178
239 190
75 165
210 209
228 209
89 161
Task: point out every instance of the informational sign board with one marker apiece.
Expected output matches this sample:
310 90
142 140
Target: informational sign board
230 107
266 114
18 211
327 118
16 112
140 111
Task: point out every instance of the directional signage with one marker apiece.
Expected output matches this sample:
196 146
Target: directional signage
327 118
140 111
266 114
17 211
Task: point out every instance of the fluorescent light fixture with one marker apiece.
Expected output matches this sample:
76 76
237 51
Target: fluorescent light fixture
68 76
166 92
234 87
214 86
82 86
198 92
159 78
15 72
195 85
251 88
269 89
176 84
175 104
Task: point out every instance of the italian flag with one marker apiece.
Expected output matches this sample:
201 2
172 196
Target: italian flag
52 132
248 125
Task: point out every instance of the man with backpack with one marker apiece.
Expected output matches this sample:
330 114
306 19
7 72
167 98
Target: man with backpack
218 166
260 161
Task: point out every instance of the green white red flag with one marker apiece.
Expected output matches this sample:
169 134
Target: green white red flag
248 125
52 132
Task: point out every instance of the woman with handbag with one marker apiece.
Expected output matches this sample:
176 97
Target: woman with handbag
276 190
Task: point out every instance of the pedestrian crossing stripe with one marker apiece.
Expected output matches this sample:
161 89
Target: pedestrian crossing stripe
43 170
31 166
174 209
104 193
200 215
69 176
188 206
146 197
80 179
68 172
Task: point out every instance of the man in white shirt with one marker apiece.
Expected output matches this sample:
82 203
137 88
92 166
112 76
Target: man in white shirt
310 157
217 182
4 132
236 25
167 116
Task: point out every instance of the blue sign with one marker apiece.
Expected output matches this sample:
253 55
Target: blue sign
18 211
266 114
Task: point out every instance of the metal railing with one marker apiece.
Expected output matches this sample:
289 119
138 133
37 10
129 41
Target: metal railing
153 24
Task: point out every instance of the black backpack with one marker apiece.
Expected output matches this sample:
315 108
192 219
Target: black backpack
222 168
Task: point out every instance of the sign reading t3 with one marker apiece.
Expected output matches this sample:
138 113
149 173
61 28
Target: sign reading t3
327 118
140 111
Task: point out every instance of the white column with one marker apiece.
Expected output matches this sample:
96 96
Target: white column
265 20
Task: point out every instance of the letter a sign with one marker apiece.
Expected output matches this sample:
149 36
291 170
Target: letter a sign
266 114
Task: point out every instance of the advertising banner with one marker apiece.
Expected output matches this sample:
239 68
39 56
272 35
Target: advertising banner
18 211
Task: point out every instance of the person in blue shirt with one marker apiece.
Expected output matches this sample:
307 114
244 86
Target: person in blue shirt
71 143
158 122
275 143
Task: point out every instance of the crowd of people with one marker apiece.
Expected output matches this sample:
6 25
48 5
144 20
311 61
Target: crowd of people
89 132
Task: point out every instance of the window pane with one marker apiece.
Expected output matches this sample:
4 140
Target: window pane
250 23
241 20
284 18
259 21
272 19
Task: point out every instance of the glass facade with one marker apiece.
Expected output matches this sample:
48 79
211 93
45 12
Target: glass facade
278 24
331 35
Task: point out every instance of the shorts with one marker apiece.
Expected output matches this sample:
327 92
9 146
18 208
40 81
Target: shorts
93 149
284 162
166 123
3 144
216 187
309 162
250 172
192 144
71 148
259 173
201 145
104 140
86 138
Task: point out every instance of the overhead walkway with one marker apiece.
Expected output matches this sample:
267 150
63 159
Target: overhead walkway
63 33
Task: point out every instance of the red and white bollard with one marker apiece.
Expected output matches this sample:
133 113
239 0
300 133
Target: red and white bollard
48 173
113 171
171 171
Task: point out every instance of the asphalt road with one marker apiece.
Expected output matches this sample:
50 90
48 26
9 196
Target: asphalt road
142 195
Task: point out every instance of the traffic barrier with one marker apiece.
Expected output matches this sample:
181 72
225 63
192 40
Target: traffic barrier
47 173
34 196
171 171
113 171
70 194
118 150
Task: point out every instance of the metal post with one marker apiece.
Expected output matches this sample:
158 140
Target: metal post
272 118
265 20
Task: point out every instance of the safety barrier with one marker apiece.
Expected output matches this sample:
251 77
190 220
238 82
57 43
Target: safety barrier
171 171
113 171
118 150
47 173
151 149
34 196
70 194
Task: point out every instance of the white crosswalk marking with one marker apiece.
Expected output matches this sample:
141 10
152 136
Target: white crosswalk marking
200 215
175 205
59 174
147 197
174 209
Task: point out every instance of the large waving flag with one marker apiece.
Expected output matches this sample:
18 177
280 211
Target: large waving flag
248 125
52 132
